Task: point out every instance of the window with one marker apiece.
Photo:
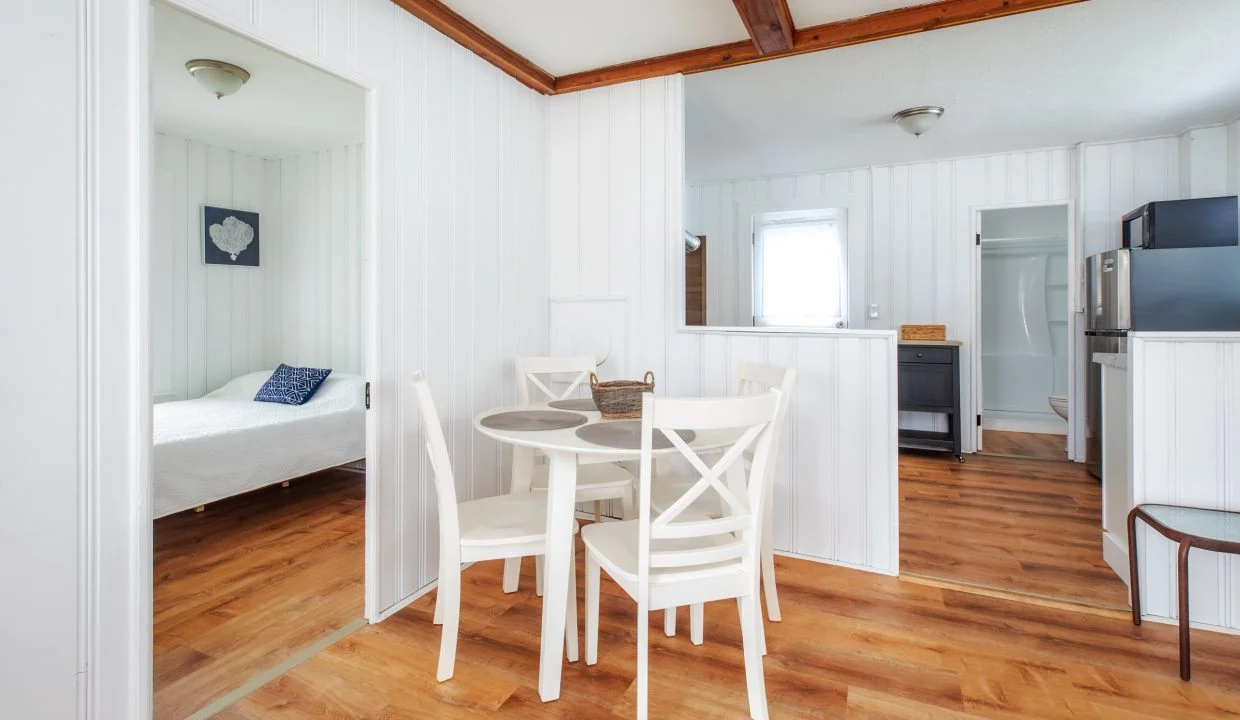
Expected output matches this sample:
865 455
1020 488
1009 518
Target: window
800 273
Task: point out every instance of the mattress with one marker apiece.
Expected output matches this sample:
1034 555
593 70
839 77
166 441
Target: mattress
225 443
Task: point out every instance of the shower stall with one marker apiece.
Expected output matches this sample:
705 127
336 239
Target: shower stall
1024 319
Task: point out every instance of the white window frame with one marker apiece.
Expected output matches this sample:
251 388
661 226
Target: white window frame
830 216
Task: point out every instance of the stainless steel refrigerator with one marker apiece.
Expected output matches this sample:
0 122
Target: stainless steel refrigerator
1140 289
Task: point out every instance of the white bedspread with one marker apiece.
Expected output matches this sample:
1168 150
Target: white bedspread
224 443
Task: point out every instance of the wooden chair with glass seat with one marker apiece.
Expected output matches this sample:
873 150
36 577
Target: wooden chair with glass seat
596 481
493 528
682 557
667 487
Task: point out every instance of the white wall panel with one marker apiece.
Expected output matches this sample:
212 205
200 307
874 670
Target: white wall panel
1186 451
302 305
315 276
923 235
614 188
722 212
207 321
40 643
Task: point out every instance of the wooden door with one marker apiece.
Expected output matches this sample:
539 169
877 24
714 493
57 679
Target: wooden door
695 285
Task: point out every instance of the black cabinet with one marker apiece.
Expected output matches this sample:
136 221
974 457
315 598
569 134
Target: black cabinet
929 381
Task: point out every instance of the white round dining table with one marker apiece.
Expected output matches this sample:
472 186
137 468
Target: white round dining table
564 449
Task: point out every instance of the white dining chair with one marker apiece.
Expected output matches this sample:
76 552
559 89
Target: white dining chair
493 528
751 378
596 481
685 558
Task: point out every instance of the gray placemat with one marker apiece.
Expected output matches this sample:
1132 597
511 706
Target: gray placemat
627 435
574 404
533 420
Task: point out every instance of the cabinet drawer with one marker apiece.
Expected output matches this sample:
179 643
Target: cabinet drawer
932 385
925 354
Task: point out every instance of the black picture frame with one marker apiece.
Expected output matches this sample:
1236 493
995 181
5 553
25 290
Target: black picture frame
227 246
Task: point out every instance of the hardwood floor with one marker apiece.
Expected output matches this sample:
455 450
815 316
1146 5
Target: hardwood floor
851 645
1030 526
251 580
1040 446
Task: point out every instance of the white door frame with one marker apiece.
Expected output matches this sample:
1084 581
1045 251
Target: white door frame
370 280
116 580
1075 407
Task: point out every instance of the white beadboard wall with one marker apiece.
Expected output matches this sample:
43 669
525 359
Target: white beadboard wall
614 195
720 211
1186 451
207 321
313 302
460 254
910 248
302 305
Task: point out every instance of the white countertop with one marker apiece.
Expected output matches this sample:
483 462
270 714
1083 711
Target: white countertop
947 343
1119 361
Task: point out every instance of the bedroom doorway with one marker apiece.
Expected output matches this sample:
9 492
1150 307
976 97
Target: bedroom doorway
258 357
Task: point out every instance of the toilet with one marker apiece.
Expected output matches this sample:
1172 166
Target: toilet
1059 403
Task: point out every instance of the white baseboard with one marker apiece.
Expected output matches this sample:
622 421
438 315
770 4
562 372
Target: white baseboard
1050 426
402 604
838 563
1115 553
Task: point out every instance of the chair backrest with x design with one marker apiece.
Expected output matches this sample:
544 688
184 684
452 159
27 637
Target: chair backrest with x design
757 378
532 370
733 537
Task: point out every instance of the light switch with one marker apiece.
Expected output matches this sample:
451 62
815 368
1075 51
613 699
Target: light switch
874 311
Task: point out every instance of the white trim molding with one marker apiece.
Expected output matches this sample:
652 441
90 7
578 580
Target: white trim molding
114 362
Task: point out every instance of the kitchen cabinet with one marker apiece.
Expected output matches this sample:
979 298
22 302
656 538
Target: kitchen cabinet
929 382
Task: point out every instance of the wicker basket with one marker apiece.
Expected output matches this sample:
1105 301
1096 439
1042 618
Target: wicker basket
620 399
923 332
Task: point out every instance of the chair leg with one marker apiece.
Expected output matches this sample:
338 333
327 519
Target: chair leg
512 574
643 655
697 621
768 577
626 504
570 614
598 511
755 682
439 599
669 622
450 598
538 575
592 587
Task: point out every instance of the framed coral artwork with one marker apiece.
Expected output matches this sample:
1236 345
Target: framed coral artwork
230 237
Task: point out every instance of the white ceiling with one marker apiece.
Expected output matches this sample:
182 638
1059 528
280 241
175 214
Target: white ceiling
1095 71
287 108
567 36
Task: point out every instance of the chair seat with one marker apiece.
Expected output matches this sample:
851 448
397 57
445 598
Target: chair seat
504 519
614 545
598 476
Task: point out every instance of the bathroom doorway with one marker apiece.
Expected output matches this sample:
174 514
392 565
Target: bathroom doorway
1024 323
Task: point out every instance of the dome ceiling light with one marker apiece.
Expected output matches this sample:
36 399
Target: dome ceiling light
917 120
217 77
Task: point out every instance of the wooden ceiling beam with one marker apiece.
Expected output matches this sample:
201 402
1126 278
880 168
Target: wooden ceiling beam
769 24
880 26
471 37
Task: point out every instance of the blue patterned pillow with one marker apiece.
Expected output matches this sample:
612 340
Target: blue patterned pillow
291 385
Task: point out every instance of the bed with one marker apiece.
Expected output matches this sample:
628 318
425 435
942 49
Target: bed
225 443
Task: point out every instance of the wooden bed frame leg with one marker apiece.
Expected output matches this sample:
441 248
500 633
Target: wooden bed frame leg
200 508
284 484
598 511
